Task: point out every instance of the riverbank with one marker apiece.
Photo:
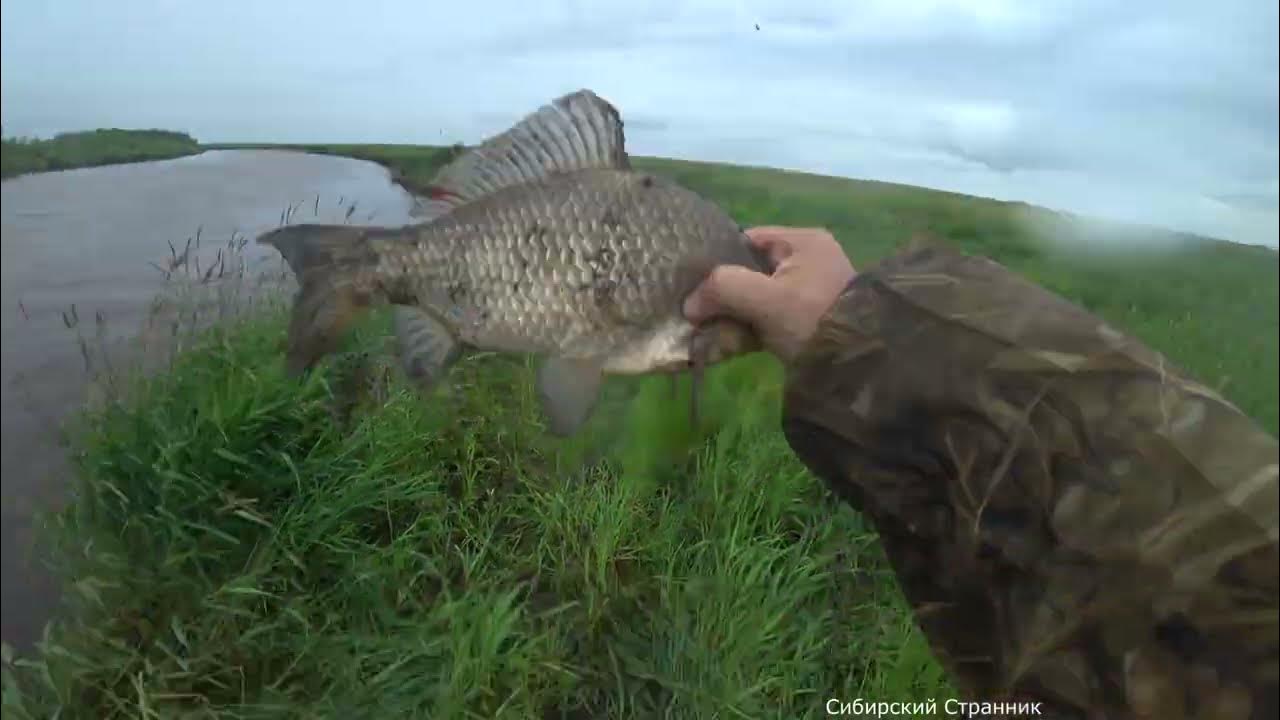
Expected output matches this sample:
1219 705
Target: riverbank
245 544
92 148
93 248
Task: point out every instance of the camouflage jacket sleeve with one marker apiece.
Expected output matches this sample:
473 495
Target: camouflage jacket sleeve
1073 520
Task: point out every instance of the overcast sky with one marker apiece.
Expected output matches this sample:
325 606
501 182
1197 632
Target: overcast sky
1156 111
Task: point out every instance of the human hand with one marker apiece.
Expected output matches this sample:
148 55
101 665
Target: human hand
811 271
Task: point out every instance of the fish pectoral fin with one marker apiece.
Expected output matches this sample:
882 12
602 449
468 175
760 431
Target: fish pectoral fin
701 342
568 390
426 347
576 131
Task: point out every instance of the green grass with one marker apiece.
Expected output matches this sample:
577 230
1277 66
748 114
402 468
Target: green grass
236 551
19 156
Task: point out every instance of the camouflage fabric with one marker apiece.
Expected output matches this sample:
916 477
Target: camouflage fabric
1073 519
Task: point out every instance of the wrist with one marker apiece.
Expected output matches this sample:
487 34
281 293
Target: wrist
800 344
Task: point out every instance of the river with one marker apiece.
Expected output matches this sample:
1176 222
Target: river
88 237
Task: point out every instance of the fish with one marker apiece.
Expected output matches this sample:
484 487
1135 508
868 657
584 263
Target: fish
541 240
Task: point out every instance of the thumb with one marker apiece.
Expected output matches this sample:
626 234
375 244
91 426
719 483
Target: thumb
731 290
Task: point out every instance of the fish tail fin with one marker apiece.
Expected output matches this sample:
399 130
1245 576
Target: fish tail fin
333 292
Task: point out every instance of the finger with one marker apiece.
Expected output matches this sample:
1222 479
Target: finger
734 291
793 239
773 240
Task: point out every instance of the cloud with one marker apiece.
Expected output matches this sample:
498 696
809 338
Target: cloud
1158 111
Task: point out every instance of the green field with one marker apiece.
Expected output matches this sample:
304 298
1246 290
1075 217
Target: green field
243 545
19 156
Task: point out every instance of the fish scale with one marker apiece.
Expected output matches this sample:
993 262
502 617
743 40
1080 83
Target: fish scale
541 240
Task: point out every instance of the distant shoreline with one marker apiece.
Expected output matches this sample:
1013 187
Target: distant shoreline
92 148
411 166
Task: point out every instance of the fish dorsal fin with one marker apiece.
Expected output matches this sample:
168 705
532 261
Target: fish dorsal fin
577 131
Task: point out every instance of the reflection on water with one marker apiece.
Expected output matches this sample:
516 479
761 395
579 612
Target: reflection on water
98 238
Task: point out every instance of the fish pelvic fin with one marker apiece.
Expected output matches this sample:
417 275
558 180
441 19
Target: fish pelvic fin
332 264
576 131
568 391
426 347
